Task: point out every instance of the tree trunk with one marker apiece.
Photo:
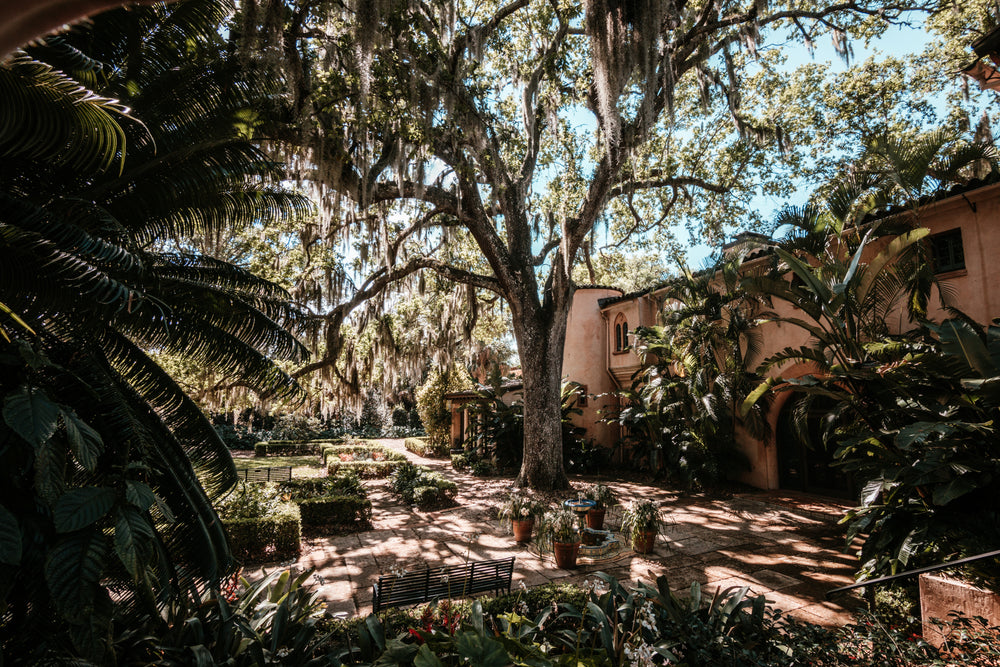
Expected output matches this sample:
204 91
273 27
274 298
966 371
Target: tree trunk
541 338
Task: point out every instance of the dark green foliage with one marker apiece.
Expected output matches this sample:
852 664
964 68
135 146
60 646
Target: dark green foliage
400 416
264 539
367 460
275 621
341 511
417 485
289 447
334 501
107 468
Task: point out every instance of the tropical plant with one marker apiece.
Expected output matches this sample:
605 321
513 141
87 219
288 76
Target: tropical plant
131 129
559 525
681 412
639 517
434 415
520 506
898 417
603 495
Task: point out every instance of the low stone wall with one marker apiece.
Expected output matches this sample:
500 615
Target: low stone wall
940 595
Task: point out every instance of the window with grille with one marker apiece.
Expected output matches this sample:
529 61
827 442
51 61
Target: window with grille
947 252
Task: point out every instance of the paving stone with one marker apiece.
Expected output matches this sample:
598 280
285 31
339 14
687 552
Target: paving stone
773 580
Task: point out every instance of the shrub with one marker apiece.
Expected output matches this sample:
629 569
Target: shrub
358 450
423 447
461 462
365 469
249 501
276 537
335 510
368 461
417 485
400 415
346 483
436 418
289 447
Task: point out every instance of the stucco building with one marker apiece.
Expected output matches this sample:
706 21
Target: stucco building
964 240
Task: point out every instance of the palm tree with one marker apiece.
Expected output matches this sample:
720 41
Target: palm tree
116 135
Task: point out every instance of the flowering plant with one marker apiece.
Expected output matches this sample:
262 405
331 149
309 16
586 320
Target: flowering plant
520 507
602 495
639 517
560 526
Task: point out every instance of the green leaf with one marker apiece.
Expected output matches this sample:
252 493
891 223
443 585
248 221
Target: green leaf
85 442
426 658
132 539
73 571
139 495
481 650
755 395
50 470
30 414
960 340
10 538
956 488
80 508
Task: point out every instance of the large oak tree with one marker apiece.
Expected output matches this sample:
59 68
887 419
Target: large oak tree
490 142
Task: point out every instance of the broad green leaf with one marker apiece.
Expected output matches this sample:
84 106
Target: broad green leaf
139 494
132 538
426 658
10 538
84 442
80 508
755 396
960 340
50 470
73 571
30 414
481 650
956 488
920 432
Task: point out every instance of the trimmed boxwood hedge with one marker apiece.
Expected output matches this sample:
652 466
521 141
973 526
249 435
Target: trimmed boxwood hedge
347 511
273 538
290 447
367 468
423 447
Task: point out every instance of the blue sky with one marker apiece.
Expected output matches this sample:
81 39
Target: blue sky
898 41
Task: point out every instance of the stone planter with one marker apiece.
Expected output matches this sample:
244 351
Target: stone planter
566 553
523 529
595 518
940 595
643 542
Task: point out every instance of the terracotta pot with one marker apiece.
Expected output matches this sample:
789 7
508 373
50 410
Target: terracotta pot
522 529
643 542
595 518
566 553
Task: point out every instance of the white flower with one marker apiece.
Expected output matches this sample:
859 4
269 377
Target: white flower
525 511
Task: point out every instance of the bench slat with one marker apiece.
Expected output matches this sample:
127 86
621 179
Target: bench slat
442 583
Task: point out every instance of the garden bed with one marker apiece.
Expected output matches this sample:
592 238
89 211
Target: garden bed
368 460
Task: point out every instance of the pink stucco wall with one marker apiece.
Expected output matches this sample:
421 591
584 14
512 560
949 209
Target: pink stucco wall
585 360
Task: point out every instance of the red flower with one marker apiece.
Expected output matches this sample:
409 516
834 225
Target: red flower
416 634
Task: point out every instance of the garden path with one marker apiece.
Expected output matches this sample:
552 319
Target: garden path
785 546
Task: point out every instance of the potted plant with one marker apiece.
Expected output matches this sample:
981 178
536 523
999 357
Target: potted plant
521 510
560 529
640 523
605 498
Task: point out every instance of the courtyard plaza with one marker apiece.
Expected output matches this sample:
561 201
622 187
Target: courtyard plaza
783 545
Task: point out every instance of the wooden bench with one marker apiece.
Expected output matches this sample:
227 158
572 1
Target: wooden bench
443 583
281 474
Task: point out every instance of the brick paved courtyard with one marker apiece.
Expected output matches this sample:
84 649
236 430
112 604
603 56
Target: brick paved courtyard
786 547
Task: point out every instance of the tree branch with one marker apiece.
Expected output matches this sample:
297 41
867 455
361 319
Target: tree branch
666 182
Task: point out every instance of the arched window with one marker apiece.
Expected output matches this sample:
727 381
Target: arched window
621 333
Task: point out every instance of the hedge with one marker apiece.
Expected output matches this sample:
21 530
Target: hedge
290 447
367 449
366 469
335 510
423 447
265 539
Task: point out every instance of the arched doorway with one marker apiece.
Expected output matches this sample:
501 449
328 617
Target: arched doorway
807 466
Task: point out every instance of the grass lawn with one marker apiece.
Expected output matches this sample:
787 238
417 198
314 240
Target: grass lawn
302 466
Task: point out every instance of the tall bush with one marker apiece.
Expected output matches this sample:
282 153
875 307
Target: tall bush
434 415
